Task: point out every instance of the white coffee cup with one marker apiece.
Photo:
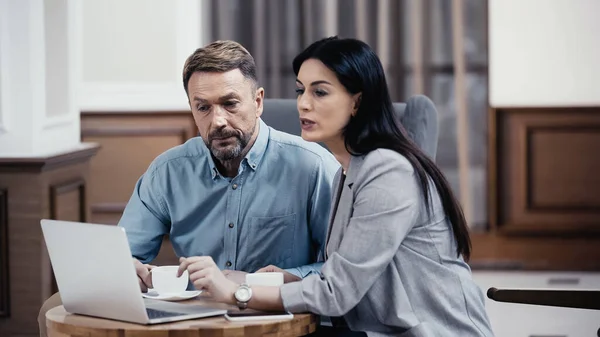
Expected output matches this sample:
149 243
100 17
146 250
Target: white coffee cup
274 279
165 280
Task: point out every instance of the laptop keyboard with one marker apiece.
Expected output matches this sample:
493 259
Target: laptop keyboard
153 313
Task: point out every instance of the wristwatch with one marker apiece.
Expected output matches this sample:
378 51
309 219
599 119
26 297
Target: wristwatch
242 295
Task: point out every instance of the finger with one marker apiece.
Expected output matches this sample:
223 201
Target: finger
148 277
139 267
143 286
203 283
185 262
204 279
199 274
201 263
141 270
183 265
267 269
148 280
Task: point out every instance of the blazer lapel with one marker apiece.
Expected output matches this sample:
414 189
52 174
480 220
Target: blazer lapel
342 206
353 169
337 189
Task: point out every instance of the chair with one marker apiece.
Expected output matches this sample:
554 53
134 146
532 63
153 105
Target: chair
418 116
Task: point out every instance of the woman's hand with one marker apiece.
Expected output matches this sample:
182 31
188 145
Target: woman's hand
235 276
205 275
287 277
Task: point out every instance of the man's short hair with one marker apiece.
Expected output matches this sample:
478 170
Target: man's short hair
220 56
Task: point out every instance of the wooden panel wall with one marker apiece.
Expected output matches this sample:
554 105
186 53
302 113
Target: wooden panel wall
67 202
544 204
129 141
4 285
544 180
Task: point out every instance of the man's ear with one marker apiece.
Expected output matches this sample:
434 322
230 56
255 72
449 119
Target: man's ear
357 99
259 99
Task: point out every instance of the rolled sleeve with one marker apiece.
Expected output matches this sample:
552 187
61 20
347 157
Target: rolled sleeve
145 219
304 271
291 295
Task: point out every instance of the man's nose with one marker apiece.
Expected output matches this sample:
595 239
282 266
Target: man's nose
219 118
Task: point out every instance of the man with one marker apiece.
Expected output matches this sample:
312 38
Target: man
245 194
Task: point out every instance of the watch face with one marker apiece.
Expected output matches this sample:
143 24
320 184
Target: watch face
242 294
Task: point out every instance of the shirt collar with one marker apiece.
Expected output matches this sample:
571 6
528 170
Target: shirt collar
257 151
253 157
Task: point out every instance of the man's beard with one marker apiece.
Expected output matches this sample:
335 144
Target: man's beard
230 152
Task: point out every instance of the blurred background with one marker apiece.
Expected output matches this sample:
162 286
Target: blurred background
91 93
412 38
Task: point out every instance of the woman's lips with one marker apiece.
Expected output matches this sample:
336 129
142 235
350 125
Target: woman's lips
307 124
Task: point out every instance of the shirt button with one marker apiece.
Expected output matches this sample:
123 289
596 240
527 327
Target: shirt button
231 225
228 263
234 186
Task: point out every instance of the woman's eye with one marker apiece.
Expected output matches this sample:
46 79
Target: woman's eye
320 93
299 91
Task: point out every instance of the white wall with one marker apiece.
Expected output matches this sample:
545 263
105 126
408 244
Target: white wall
3 65
133 52
544 53
39 72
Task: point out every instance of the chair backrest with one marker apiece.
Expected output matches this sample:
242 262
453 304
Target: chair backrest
418 116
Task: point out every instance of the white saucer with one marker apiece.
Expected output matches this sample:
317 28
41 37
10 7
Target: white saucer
186 295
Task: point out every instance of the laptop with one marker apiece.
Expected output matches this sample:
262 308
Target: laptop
96 277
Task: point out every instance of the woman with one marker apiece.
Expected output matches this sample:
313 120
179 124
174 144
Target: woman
397 241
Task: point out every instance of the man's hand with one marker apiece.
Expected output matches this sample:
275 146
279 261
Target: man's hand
236 276
287 277
144 275
205 275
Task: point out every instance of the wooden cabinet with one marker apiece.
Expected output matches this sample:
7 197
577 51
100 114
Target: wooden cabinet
31 189
545 171
544 190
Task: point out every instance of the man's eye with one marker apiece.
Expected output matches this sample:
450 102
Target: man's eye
230 104
203 108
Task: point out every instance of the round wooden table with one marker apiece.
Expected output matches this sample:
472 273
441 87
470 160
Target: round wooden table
62 324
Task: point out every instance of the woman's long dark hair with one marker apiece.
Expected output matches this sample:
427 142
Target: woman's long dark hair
374 126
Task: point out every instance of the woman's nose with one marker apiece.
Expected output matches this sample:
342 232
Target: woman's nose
304 103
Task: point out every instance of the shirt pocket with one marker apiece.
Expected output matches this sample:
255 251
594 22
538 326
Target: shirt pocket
268 240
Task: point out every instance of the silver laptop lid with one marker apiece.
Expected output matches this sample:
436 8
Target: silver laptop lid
94 270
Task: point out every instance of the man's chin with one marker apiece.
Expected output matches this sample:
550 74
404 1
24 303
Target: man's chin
225 153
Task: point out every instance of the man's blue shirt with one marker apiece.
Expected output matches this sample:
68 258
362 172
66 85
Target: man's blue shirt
275 211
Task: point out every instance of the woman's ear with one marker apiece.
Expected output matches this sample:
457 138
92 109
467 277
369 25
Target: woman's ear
357 98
